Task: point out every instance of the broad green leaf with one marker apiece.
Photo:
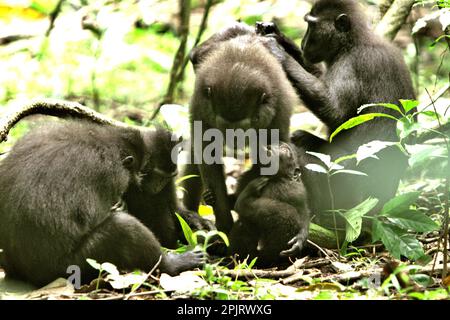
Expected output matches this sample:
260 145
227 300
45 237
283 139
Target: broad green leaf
408 105
385 105
334 166
426 152
316 168
376 230
398 242
356 121
430 114
354 172
94 264
369 150
400 203
110 268
444 17
353 218
187 231
413 220
325 158
405 128
410 247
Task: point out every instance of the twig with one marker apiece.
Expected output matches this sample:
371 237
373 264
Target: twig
15 37
53 17
319 248
442 127
148 276
271 274
185 13
201 30
56 108
351 275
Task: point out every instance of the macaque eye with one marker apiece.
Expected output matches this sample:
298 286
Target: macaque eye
208 92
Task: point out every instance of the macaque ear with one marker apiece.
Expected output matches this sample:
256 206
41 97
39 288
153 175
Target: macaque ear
297 174
342 23
128 162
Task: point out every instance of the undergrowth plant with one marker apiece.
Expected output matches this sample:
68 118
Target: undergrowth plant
398 222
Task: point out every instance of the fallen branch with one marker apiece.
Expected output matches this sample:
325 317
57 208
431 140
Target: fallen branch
53 16
271 274
351 275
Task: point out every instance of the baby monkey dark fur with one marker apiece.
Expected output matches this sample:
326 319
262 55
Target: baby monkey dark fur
272 210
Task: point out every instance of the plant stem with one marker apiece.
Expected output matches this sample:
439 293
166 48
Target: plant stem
334 213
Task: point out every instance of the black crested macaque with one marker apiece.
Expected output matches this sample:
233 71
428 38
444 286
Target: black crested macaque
234 89
59 187
154 201
361 68
272 210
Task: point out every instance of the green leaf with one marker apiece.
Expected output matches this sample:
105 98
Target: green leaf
406 128
385 105
427 151
187 231
353 218
224 238
376 231
430 114
413 220
110 268
316 168
94 264
325 158
344 158
399 203
408 105
398 242
354 172
369 150
356 121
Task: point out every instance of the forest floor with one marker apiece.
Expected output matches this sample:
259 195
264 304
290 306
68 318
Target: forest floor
364 273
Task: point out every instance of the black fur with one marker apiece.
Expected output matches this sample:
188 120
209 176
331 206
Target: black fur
58 187
361 68
272 210
234 89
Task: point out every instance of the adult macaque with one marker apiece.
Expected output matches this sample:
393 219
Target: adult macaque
59 189
361 68
239 85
